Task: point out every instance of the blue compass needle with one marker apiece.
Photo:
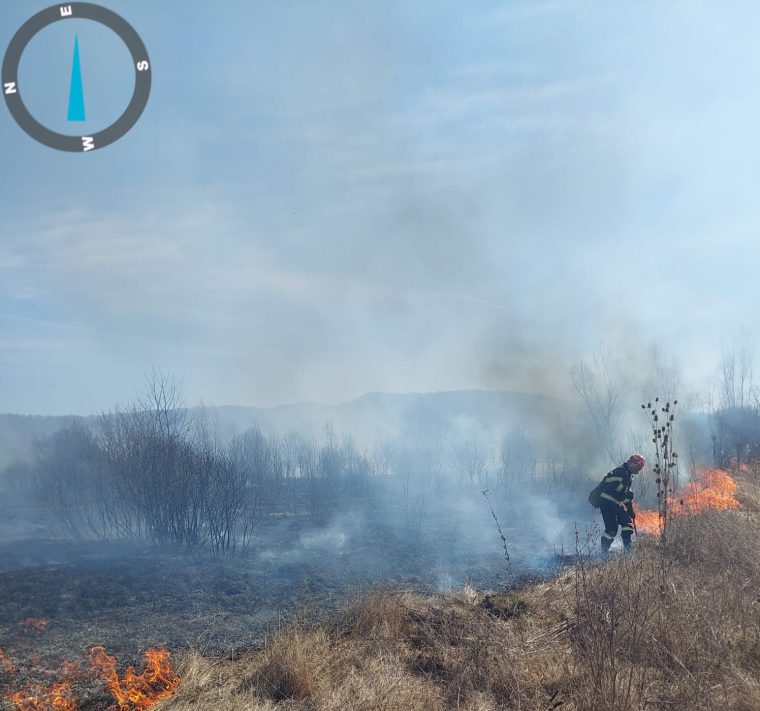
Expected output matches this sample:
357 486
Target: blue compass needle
76 93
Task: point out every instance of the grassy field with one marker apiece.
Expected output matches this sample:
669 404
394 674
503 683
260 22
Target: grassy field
673 628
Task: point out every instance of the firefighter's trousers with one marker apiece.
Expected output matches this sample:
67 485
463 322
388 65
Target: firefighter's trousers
615 516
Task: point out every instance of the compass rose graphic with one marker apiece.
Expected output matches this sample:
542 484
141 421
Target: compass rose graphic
77 108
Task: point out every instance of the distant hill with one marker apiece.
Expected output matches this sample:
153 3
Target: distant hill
369 418
379 415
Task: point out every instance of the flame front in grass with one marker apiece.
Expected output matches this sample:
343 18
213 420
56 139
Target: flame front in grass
57 698
647 521
137 691
38 624
713 489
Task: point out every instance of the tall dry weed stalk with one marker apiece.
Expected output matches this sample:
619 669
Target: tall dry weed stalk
501 533
661 419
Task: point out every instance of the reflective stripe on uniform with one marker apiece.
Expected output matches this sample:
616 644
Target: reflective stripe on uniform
608 536
605 495
613 478
626 529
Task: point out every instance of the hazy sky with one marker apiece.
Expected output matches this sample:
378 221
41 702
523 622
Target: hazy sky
328 198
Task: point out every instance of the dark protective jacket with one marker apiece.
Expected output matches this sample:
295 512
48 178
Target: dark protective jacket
616 487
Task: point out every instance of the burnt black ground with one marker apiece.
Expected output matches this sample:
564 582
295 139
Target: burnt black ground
128 598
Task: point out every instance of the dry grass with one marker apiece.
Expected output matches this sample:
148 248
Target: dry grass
678 629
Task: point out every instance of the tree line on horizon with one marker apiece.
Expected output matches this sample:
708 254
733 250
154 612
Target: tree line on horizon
153 471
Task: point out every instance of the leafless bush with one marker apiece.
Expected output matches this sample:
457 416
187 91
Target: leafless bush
427 464
414 510
148 472
261 463
300 467
518 461
600 384
559 475
339 474
735 433
18 478
68 476
735 407
470 462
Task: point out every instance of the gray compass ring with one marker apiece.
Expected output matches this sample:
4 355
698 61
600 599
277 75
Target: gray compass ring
140 63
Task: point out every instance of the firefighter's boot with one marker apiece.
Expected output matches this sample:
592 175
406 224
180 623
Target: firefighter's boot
625 534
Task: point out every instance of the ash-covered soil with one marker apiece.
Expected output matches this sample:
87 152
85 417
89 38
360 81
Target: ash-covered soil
129 598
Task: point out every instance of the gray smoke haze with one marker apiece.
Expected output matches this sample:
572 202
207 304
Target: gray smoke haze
417 265
388 198
417 490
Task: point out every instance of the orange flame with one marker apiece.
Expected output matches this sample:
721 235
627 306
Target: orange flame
137 691
713 489
647 521
57 698
39 624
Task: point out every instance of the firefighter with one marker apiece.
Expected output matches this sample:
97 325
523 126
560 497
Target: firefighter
616 502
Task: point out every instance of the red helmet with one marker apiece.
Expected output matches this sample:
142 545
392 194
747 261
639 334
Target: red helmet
637 461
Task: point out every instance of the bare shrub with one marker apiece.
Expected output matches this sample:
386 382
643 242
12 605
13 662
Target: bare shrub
470 461
259 463
735 407
18 478
600 384
518 461
300 467
68 473
334 474
148 472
